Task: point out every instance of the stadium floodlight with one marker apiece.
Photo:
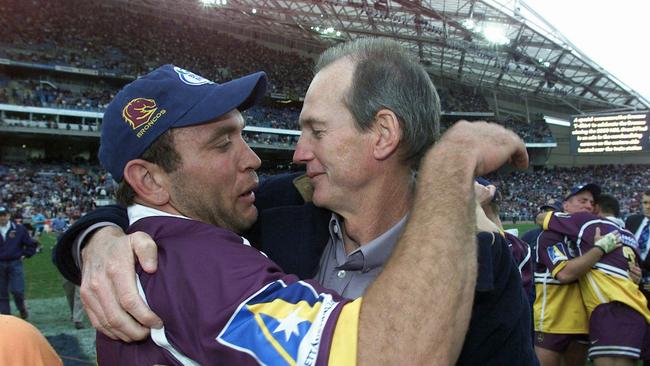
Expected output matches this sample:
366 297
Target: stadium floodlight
214 2
495 33
557 121
254 11
469 23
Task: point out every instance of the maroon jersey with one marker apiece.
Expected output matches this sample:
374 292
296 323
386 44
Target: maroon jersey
522 254
225 303
581 229
609 280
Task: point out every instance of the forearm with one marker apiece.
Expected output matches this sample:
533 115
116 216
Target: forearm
421 303
578 267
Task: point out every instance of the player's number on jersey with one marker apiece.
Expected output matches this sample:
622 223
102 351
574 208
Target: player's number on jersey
628 253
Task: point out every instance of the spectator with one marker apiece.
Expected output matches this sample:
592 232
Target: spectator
16 245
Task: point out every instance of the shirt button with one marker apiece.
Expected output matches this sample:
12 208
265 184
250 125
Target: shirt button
340 274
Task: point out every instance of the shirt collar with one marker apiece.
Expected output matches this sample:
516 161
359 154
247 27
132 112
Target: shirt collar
370 255
616 220
137 212
5 229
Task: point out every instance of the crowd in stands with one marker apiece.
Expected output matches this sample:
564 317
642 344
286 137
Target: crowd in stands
522 193
254 138
272 117
105 37
535 131
84 34
35 93
30 190
71 190
48 95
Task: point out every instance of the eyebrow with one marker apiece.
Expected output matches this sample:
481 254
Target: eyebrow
309 121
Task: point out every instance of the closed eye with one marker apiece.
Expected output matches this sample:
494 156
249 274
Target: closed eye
317 133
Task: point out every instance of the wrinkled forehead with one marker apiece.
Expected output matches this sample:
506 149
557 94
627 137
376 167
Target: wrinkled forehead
324 100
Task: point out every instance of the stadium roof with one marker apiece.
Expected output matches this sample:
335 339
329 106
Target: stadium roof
503 46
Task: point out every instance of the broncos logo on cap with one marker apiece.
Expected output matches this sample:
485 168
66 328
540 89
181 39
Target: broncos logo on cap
139 111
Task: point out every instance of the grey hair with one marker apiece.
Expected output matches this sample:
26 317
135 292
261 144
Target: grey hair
387 76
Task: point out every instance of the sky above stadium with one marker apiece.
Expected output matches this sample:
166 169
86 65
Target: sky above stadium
614 34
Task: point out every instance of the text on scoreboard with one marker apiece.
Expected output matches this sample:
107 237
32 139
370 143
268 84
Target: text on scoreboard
610 133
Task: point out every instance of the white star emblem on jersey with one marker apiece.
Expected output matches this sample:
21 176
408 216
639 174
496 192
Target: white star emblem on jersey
289 325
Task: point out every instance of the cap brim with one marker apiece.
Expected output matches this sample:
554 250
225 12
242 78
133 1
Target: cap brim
239 94
591 187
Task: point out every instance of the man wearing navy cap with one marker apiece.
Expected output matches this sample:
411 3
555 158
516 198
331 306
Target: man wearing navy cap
173 140
561 322
15 245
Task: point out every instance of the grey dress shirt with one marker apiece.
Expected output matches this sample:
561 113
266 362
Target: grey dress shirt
350 275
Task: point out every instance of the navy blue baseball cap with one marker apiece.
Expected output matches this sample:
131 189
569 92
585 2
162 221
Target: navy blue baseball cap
593 188
168 97
3 210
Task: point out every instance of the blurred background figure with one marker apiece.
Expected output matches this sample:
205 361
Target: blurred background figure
16 245
74 302
38 222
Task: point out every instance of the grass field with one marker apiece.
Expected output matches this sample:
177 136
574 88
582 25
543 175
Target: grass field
42 280
523 228
48 308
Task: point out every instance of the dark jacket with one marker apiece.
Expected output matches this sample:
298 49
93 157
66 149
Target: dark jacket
294 233
17 244
633 222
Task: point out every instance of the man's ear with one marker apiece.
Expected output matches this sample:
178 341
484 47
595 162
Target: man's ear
388 134
148 180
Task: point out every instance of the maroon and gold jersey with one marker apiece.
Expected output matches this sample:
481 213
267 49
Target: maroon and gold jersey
558 307
225 303
609 279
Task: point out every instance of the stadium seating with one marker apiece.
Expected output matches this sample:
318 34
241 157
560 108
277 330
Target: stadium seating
522 193
73 34
77 188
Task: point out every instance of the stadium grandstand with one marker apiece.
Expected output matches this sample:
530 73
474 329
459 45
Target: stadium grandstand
489 61
61 63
